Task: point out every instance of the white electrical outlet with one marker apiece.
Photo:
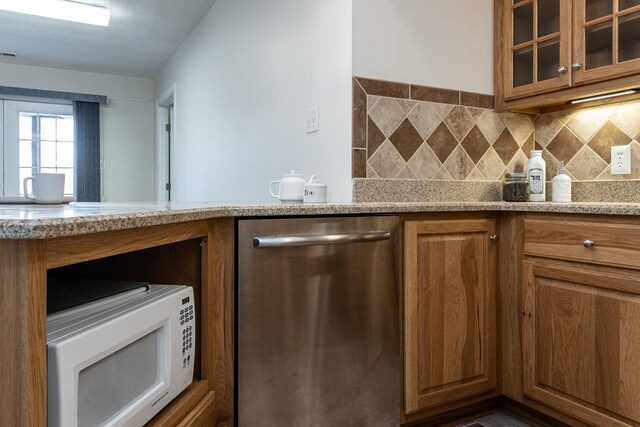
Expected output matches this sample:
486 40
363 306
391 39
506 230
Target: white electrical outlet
621 160
312 120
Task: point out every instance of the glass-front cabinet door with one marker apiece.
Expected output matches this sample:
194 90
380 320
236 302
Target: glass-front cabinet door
539 53
606 39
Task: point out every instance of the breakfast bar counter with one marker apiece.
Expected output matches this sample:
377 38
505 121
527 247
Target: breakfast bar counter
44 222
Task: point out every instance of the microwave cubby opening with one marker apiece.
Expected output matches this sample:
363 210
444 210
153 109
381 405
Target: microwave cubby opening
178 263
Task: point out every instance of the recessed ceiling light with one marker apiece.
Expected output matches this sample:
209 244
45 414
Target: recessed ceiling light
607 96
60 9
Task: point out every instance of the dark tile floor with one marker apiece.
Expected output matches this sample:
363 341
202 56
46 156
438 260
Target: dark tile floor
496 419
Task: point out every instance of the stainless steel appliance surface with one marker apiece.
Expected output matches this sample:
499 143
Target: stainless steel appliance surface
318 325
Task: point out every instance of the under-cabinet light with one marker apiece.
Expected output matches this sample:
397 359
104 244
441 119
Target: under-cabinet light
607 96
60 9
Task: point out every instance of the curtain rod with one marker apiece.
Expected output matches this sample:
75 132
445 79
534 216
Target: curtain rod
52 94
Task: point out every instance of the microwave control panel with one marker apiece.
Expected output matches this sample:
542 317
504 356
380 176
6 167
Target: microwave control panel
187 324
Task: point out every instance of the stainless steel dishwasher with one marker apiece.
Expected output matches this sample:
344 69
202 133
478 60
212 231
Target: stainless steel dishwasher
317 312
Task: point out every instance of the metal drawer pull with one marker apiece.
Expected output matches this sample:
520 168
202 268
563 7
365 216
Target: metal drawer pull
494 238
588 243
322 239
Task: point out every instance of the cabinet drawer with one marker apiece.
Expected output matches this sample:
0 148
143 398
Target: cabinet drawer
593 242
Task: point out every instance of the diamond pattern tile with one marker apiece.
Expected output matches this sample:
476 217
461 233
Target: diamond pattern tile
586 164
627 118
406 105
411 138
475 175
387 162
519 125
459 121
405 173
491 165
426 116
387 114
475 144
443 175
442 142
610 135
505 146
371 101
406 139
565 145
518 163
475 112
375 137
586 123
424 164
547 127
552 165
491 125
459 164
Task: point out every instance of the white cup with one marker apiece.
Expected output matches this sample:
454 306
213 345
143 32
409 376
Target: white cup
48 188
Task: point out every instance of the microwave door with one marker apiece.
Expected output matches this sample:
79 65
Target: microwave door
109 384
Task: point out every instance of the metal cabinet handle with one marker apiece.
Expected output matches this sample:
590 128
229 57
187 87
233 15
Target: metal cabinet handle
576 66
588 243
562 70
322 239
494 238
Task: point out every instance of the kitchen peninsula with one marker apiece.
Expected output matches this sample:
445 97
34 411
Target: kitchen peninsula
193 244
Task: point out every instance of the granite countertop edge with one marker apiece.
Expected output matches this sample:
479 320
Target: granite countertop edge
28 222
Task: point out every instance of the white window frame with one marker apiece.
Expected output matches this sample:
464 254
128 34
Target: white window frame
10 165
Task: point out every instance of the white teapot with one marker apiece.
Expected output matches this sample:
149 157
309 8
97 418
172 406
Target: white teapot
290 188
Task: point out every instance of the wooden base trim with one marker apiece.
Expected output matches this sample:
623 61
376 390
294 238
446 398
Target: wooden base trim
178 409
202 415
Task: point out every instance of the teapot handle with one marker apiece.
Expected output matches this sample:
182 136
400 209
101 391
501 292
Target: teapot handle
271 189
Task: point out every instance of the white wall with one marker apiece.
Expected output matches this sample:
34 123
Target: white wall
436 43
126 127
245 78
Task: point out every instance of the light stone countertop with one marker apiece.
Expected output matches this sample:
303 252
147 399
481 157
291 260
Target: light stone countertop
40 222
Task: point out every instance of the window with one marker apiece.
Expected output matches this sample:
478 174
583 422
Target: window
46 145
37 137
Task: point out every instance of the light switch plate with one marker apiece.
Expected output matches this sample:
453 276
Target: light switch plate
313 124
621 160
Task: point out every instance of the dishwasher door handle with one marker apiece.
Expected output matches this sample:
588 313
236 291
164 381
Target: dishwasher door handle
322 239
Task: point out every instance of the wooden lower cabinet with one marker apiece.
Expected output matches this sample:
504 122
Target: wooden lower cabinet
449 311
581 341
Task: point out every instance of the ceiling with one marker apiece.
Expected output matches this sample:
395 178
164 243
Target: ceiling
140 39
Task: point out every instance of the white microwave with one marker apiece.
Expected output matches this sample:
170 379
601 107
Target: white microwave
119 361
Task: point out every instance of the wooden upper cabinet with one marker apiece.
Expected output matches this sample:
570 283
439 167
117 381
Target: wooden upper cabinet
581 341
450 311
538 46
606 40
549 52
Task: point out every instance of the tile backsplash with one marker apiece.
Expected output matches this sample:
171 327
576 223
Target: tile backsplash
416 132
583 139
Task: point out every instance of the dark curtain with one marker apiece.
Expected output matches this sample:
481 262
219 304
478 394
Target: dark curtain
87 151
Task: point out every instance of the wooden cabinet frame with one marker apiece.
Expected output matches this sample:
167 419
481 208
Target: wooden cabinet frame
616 69
606 288
555 94
415 398
564 35
23 287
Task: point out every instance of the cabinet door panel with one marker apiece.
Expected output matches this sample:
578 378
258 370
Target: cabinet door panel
606 39
581 343
537 48
450 311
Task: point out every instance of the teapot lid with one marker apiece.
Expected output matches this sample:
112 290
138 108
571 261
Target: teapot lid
293 173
